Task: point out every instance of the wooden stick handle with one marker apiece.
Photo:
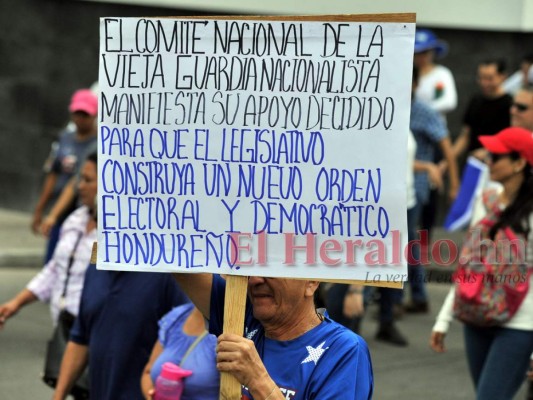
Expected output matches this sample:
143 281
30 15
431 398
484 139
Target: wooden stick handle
234 307
94 253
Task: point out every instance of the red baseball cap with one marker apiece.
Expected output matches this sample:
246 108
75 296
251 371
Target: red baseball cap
515 139
84 100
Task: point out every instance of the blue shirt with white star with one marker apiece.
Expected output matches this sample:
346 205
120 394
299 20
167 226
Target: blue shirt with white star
327 362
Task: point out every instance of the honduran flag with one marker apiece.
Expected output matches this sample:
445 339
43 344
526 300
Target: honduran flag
474 179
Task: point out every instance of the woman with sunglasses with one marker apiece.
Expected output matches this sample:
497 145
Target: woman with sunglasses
498 356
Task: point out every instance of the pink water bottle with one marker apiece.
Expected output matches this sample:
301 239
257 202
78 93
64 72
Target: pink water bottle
169 384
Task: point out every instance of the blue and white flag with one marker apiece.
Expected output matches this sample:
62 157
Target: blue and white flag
474 179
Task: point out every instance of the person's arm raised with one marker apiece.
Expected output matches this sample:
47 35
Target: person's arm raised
198 288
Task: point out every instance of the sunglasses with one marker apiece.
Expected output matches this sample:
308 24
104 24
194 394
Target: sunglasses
495 157
520 107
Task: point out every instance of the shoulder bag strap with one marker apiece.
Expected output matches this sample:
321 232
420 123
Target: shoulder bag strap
69 266
192 346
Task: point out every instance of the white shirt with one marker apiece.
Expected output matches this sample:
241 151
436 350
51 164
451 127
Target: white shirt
411 151
48 284
437 90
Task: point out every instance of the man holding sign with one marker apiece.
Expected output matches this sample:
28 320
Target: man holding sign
291 351
216 130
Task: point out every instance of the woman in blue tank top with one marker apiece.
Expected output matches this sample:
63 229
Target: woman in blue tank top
184 342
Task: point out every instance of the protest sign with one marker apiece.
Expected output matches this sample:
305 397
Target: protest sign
255 146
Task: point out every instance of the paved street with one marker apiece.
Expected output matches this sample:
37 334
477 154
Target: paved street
412 373
22 342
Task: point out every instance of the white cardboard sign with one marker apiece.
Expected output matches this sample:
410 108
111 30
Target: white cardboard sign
254 147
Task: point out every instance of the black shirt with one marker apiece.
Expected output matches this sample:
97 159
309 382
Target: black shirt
487 116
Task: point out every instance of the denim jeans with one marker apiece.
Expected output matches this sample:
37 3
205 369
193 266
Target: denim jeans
417 273
335 304
387 298
498 359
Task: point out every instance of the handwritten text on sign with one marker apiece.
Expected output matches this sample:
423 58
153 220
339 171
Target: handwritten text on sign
253 147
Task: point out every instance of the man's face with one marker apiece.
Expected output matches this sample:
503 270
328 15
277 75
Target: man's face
489 79
522 110
277 301
84 122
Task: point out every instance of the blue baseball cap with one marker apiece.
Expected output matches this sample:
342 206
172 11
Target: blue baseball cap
426 39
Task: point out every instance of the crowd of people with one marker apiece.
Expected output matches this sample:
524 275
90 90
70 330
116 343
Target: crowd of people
126 325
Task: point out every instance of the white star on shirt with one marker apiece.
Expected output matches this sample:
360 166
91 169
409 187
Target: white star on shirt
315 353
250 335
